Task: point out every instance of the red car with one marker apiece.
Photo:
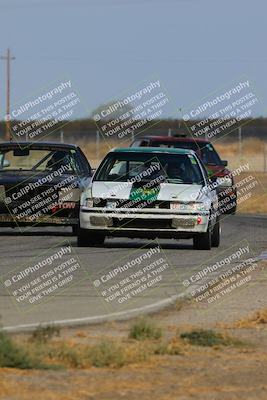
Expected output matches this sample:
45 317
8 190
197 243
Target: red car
215 167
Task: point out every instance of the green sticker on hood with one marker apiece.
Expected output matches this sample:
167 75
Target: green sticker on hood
144 194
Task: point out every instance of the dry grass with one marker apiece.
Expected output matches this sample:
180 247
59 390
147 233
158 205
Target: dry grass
99 353
254 152
256 320
168 368
257 203
145 343
249 147
105 352
69 354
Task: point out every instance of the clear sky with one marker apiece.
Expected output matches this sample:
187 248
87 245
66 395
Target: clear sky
109 46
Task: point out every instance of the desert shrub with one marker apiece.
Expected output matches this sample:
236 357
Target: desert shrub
202 337
143 328
43 334
13 356
106 353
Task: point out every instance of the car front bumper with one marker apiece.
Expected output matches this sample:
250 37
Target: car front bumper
145 222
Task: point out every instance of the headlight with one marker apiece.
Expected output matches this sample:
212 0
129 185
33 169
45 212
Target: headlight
224 181
89 203
188 207
86 198
92 202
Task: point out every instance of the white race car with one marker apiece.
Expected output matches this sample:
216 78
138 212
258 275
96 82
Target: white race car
150 193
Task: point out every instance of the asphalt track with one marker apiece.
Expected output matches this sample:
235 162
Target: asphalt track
85 298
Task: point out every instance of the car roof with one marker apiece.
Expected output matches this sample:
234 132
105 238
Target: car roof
167 150
37 145
174 139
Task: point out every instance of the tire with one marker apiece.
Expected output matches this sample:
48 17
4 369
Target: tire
87 238
202 241
216 234
74 230
233 210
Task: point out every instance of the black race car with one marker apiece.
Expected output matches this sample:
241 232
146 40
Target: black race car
40 183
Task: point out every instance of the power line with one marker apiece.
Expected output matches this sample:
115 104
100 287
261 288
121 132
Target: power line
7 58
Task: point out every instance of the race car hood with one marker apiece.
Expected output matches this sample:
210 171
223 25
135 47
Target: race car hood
164 191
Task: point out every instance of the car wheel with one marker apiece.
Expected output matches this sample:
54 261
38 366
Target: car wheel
74 230
202 241
234 206
216 234
87 238
233 210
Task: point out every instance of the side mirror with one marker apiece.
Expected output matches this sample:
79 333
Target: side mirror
92 171
213 182
224 163
213 178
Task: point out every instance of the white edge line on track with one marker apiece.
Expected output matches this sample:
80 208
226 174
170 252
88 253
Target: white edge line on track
123 315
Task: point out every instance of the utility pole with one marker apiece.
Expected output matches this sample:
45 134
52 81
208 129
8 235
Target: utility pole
240 142
7 58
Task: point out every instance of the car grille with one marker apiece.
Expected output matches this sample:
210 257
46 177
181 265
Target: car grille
130 204
140 223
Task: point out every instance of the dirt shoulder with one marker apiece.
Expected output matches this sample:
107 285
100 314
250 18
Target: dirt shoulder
193 372
199 374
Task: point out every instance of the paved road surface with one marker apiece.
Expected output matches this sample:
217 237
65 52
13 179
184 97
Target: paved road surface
87 283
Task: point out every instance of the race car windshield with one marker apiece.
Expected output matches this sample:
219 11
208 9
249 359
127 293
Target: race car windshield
205 150
134 167
38 160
